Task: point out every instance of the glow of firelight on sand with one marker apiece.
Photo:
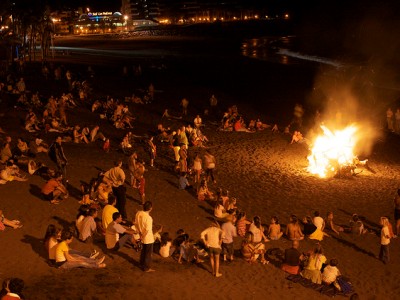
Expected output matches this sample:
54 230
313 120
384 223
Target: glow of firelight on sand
331 150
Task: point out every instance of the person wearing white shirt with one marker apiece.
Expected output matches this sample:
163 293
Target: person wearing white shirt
144 225
212 238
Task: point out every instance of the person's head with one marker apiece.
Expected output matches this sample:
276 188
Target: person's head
112 200
92 212
214 224
147 206
293 219
59 140
355 217
384 221
316 213
165 238
274 220
330 215
117 217
248 237
333 262
318 249
295 244
257 221
67 236
185 238
180 231
51 231
14 285
118 163
355 296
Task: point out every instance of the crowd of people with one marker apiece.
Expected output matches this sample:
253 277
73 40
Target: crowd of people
103 217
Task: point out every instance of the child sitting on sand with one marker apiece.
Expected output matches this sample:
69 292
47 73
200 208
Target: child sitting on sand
203 192
274 229
6 222
188 252
356 225
242 224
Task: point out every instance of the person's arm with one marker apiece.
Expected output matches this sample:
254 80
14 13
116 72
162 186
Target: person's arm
333 227
263 235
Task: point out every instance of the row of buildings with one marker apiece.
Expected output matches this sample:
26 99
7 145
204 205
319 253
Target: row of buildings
139 13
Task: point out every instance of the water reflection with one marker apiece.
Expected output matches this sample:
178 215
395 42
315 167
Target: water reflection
284 50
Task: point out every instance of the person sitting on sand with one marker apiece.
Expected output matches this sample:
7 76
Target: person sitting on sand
198 122
118 235
258 231
22 148
292 259
297 137
293 230
274 229
187 251
166 247
53 190
275 128
312 269
309 228
356 225
203 192
77 136
242 224
331 225
37 145
15 224
12 289
6 154
252 251
67 260
331 272
11 173
167 115
51 239
219 211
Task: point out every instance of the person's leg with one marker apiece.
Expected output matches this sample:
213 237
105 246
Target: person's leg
212 263
217 273
120 194
148 250
124 239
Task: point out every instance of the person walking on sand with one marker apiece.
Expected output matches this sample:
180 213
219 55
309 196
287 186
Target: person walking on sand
385 241
56 153
209 162
212 238
144 226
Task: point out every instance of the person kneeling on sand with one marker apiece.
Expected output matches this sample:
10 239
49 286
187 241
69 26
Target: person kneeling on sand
6 222
67 260
54 191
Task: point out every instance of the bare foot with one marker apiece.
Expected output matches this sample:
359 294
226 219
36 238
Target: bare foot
218 275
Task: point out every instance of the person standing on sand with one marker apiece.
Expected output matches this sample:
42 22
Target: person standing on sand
116 177
56 153
209 163
385 241
184 104
397 212
212 238
144 225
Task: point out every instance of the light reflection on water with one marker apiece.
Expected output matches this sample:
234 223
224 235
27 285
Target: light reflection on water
283 50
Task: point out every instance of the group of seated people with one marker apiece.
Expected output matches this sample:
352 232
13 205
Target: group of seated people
233 121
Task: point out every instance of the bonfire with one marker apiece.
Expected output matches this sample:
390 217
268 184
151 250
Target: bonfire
333 152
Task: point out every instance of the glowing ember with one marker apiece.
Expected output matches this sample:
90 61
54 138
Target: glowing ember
332 150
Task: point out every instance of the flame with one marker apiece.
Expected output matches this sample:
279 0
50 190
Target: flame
331 150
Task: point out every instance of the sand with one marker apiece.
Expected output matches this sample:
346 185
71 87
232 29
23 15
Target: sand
264 172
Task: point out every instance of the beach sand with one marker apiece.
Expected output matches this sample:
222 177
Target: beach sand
262 170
